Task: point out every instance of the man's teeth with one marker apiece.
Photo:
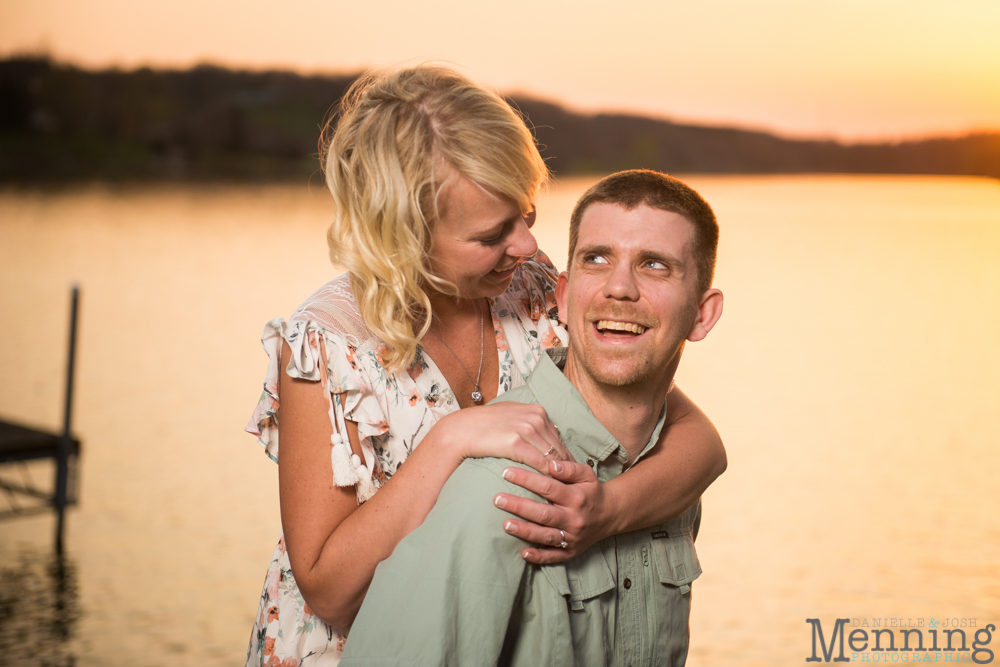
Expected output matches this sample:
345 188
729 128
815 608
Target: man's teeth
620 326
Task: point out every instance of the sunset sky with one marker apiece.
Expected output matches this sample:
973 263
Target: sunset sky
850 69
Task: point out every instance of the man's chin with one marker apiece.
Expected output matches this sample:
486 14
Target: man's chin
620 373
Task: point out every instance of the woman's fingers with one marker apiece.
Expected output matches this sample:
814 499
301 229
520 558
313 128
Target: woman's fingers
542 434
541 514
536 534
520 432
556 488
545 541
547 556
542 521
516 431
530 452
557 450
573 514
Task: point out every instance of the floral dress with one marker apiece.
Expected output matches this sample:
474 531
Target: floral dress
394 411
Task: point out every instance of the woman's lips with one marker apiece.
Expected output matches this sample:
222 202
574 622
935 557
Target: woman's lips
506 273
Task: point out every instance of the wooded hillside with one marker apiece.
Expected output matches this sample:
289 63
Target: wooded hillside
59 122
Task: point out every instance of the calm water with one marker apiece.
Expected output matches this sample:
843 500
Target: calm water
855 377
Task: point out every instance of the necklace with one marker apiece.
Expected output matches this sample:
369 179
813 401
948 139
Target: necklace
477 396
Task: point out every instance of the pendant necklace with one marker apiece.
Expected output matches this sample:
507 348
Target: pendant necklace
477 396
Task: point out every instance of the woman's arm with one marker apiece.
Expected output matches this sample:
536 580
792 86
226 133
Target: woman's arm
688 457
333 543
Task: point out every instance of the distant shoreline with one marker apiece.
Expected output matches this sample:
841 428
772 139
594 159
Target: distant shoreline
60 123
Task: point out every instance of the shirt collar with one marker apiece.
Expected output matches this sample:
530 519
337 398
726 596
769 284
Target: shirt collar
580 429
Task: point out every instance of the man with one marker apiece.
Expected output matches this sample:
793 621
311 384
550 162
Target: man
455 591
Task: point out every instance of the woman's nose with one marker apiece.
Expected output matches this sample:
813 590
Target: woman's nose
522 241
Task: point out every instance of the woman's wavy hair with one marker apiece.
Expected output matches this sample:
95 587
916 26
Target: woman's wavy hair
394 140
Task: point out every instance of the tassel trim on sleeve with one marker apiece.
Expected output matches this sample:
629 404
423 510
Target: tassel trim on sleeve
348 469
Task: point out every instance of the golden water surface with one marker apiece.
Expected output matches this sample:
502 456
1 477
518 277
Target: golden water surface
855 377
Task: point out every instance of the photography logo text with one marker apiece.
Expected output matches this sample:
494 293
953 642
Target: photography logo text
898 640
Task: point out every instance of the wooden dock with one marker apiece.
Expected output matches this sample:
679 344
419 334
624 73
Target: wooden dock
20 444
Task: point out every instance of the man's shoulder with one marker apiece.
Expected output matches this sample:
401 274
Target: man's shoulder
485 476
522 394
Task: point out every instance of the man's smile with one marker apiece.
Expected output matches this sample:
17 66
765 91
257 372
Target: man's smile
620 322
624 327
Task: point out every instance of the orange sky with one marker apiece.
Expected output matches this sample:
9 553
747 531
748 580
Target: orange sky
847 68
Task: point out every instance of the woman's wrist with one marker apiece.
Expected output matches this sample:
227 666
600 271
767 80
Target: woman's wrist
448 445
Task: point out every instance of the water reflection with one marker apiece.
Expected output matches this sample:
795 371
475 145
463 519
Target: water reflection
854 376
39 608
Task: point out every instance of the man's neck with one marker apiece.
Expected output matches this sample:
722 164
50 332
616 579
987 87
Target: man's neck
629 412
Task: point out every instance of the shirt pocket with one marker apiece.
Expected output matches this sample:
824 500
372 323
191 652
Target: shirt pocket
676 559
588 587
582 578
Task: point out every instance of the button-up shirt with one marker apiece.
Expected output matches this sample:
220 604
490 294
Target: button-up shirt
456 591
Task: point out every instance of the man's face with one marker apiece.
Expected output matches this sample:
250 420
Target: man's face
630 299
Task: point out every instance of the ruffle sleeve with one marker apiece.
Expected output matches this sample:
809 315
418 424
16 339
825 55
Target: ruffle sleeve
538 281
322 356
533 293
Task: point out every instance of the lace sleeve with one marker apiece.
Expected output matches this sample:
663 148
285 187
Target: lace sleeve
334 308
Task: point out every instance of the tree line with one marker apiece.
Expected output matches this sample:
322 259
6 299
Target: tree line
59 122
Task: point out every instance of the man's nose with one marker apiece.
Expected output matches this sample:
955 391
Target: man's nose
522 241
621 284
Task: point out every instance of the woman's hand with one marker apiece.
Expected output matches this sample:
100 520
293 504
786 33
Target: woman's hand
689 454
506 430
577 513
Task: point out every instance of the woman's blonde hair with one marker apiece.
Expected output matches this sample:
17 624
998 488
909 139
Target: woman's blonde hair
396 137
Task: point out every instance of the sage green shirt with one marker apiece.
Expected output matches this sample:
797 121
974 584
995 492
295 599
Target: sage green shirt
457 592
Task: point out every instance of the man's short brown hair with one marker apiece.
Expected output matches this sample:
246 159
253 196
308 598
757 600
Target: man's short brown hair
638 187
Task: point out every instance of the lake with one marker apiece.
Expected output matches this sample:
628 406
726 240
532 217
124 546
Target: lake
855 377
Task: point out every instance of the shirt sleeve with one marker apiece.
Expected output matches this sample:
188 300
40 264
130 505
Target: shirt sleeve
447 593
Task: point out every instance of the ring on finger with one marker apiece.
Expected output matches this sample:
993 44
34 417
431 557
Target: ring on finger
552 450
564 543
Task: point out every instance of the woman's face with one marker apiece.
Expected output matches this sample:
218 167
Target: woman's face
479 239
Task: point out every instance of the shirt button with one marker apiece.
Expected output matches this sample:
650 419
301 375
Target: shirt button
627 583
591 463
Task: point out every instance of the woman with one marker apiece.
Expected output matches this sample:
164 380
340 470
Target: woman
446 304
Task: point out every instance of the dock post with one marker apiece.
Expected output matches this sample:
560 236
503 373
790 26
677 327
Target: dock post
62 461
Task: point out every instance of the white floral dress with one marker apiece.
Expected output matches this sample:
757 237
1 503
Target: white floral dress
393 411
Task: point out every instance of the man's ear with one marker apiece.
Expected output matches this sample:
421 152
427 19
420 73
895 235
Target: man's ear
562 296
709 312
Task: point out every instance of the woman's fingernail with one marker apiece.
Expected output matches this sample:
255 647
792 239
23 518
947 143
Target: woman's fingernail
508 474
510 527
526 554
500 501
557 466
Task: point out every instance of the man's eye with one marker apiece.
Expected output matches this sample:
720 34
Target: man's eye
656 264
595 259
